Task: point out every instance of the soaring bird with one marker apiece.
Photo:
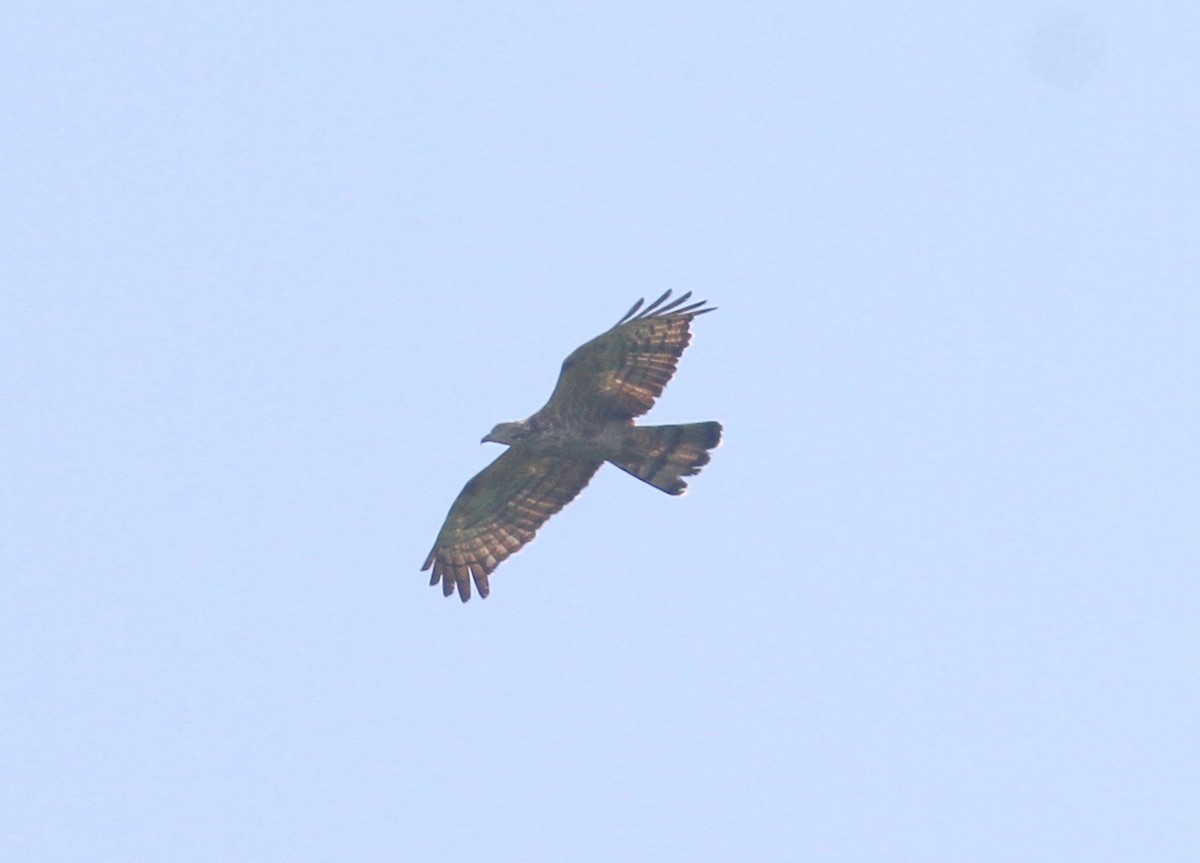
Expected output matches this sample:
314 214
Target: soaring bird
588 420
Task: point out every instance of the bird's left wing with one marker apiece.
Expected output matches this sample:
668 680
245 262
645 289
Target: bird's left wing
498 512
620 373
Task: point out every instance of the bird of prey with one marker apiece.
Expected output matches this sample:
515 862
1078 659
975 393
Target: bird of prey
553 454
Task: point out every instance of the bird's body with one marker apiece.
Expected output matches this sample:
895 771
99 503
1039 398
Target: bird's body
553 454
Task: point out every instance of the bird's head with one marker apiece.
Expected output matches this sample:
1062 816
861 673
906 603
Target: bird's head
507 433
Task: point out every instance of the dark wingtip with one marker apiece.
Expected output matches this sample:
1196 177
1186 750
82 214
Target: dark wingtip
656 308
629 314
695 309
682 298
651 309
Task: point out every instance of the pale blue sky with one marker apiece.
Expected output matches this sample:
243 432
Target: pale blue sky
270 270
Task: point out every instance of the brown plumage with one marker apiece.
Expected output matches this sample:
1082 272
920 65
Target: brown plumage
588 420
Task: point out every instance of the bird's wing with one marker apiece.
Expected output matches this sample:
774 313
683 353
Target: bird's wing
620 373
499 511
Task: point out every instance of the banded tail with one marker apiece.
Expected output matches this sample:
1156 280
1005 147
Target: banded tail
663 455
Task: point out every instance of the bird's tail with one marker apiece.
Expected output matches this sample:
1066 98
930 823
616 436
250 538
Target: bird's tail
662 455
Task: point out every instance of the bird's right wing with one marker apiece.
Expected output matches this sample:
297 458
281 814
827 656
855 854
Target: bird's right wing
498 512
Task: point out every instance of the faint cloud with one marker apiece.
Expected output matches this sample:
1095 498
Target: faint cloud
1066 48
